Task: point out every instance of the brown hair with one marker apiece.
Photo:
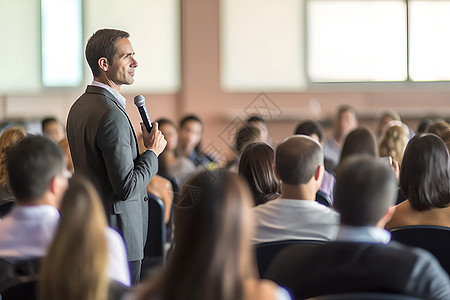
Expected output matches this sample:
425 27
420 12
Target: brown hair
80 246
212 254
394 142
359 141
256 166
9 137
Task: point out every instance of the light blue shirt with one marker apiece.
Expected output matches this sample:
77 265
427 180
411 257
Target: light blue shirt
363 234
120 99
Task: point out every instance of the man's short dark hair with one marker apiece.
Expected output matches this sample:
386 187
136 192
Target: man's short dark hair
188 118
32 164
309 128
103 43
365 189
297 159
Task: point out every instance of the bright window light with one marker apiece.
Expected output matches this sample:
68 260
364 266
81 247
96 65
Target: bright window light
61 43
356 41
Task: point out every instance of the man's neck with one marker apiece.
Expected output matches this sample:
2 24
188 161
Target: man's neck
108 82
299 192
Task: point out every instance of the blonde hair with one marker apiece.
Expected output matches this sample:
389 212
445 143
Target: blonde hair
80 246
393 142
9 137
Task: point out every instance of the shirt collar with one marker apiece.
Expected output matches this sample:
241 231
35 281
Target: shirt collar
120 99
363 234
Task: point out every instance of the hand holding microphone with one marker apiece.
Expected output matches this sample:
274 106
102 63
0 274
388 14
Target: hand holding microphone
153 137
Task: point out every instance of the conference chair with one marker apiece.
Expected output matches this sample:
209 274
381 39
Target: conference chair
266 252
435 239
6 207
154 251
323 198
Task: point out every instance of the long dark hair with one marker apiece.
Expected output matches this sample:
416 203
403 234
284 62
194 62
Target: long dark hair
212 255
257 166
424 174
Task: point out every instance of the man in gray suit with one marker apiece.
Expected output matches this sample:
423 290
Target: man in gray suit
103 143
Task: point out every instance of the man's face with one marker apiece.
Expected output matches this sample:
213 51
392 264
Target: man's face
347 122
121 71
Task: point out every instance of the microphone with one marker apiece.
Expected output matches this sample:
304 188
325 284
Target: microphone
139 101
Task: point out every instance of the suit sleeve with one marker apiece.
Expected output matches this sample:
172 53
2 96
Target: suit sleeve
127 172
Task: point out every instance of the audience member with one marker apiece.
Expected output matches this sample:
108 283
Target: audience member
8 138
189 142
359 141
52 128
393 142
384 118
245 136
259 122
438 127
162 188
446 138
346 121
171 165
423 125
36 177
257 167
296 215
313 130
425 182
90 251
362 259
213 258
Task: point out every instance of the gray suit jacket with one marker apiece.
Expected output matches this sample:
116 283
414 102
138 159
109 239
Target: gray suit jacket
104 148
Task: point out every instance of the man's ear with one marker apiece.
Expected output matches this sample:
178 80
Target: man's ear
103 63
53 185
318 172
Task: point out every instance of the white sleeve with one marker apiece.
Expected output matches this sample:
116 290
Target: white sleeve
282 294
118 269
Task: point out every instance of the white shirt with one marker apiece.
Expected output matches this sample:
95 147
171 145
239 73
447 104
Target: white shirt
118 269
363 234
291 219
27 231
120 99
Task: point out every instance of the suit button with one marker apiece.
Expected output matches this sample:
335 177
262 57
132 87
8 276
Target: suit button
146 198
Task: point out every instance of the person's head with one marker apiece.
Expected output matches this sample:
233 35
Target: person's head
346 121
213 226
169 129
52 128
446 138
365 190
259 122
424 125
438 127
298 160
384 118
393 142
191 131
36 171
9 137
310 128
424 174
359 141
80 246
247 135
110 56
257 167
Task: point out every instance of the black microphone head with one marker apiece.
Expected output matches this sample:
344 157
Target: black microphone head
139 100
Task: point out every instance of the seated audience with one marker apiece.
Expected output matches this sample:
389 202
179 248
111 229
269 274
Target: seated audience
346 121
245 136
296 215
362 259
359 141
82 244
9 137
212 257
257 167
384 118
162 188
313 129
393 142
189 142
52 128
425 182
259 122
171 165
438 127
36 177
424 125
446 138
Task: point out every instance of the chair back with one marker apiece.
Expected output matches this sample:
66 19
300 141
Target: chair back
154 251
435 239
13 272
266 252
365 296
323 198
25 290
6 207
